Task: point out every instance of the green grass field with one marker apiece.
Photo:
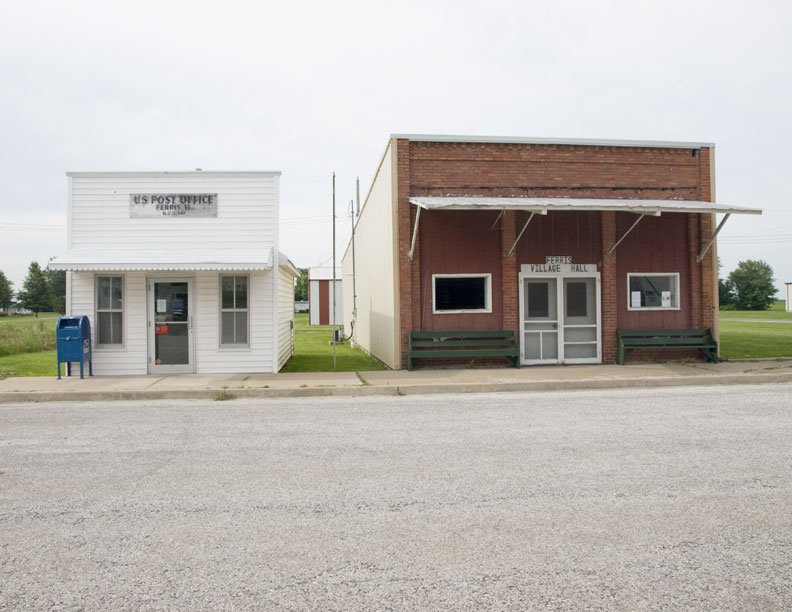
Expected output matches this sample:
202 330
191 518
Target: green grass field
741 339
27 334
776 311
41 363
314 353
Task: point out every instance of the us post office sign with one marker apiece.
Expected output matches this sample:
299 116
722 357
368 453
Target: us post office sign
148 205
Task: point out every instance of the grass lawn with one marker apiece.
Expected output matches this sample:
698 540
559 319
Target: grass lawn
40 363
776 311
740 339
314 353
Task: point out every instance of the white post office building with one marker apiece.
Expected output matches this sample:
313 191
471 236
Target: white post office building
179 272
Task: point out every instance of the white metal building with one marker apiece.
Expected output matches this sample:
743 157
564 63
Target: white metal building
179 271
789 297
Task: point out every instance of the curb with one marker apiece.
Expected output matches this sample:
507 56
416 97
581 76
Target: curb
394 390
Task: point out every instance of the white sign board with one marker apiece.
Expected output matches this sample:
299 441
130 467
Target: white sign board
635 299
665 299
558 268
149 205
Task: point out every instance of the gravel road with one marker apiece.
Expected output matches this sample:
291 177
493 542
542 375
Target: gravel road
632 499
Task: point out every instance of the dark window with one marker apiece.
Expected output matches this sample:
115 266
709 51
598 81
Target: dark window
576 299
461 293
538 300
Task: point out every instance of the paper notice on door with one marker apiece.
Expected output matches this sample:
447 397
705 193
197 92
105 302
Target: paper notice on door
665 299
635 299
162 305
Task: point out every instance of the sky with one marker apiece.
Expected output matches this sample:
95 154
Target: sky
316 88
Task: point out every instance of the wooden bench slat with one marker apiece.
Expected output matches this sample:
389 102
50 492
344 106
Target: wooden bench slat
698 338
463 344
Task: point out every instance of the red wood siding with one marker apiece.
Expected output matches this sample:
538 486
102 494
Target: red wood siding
577 234
459 242
657 244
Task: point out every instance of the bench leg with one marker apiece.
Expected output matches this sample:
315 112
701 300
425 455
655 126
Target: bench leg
620 355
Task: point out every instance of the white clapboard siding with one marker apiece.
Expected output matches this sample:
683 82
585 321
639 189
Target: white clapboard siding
130 357
99 212
285 315
258 356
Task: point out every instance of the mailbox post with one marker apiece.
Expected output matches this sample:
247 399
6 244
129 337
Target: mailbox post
73 337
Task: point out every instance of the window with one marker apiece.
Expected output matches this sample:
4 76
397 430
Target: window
109 310
234 310
653 291
462 293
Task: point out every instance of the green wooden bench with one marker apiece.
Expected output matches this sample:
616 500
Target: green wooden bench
463 344
700 339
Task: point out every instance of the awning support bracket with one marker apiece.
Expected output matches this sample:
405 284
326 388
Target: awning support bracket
500 214
712 240
415 232
632 227
522 231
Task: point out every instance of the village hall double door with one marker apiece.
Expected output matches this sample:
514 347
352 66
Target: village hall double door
560 314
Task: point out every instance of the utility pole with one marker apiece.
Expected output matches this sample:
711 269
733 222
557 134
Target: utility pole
334 276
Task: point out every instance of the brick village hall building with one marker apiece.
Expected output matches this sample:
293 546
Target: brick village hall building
563 241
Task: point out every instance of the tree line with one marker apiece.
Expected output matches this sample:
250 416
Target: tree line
42 290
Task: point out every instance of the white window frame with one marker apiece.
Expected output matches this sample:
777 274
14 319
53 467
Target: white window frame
675 292
487 297
221 310
97 310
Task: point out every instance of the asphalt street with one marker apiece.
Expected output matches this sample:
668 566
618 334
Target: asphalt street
629 499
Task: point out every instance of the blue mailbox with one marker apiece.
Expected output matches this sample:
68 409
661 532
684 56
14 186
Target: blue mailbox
73 337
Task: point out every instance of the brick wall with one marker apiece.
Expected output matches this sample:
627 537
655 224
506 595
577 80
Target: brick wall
535 170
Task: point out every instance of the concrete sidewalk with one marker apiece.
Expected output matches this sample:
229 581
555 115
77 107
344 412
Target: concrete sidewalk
400 382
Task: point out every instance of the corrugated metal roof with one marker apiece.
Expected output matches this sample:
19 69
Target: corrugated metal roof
162 261
542 205
590 142
176 173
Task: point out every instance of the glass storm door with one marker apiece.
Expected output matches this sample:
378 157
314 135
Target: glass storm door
540 320
580 321
170 325
560 319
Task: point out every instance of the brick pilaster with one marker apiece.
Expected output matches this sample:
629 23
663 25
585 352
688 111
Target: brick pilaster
610 312
511 303
405 268
695 288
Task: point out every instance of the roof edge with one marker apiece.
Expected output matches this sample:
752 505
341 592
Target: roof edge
591 142
178 173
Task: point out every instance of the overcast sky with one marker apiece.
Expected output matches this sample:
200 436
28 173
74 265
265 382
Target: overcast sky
310 88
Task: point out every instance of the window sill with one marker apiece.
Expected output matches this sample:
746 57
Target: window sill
442 312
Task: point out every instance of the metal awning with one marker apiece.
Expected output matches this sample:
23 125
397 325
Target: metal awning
128 260
543 205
